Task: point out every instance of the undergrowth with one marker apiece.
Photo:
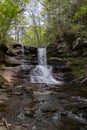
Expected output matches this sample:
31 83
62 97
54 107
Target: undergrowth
78 65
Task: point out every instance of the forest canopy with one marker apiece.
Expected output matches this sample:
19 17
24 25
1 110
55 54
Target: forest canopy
41 22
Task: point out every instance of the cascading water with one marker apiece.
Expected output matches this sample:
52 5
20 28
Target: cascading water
43 73
42 57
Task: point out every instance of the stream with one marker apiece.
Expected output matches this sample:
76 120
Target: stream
40 106
30 106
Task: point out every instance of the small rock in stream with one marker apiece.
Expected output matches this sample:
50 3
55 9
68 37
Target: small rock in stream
17 93
34 128
29 112
64 113
1 102
85 115
49 109
75 111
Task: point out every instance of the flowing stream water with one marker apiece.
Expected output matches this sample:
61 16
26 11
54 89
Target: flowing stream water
42 73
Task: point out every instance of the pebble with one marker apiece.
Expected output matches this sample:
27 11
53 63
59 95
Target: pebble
29 113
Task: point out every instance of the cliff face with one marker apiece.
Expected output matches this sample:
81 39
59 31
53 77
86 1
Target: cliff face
63 60
75 48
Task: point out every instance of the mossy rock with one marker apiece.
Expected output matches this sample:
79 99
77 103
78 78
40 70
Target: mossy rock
2 80
78 65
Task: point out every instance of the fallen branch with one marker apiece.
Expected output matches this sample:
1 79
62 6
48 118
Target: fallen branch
6 124
81 79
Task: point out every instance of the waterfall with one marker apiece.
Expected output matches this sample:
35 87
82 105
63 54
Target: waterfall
42 73
42 56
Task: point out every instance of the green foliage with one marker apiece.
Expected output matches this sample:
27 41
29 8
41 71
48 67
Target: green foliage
58 16
78 65
30 37
8 13
82 9
2 79
55 18
35 35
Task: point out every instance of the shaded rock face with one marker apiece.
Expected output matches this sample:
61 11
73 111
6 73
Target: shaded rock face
27 50
2 57
3 50
14 57
69 46
61 68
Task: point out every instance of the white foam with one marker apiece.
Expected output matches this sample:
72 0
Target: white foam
43 73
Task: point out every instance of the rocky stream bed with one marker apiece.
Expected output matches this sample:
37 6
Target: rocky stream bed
27 106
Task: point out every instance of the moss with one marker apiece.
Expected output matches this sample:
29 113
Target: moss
2 79
78 65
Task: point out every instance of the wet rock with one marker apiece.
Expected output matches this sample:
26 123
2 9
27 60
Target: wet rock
3 128
20 86
28 89
85 115
1 102
34 128
17 128
30 50
24 72
17 93
68 77
57 61
86 110
12 61
5 85
75 111
2 57
29 112
83 107
64 113
85 127
85 54
49 109
4 97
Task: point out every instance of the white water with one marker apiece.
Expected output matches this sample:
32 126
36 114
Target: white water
43 73
42 56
